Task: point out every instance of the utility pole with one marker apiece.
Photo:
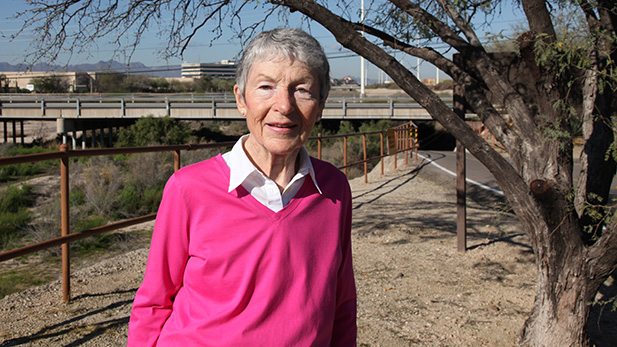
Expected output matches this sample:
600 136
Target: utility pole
362 77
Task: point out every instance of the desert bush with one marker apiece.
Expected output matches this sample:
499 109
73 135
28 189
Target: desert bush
191 157
154 131
100 181
143 181
14 214
48 225
8 172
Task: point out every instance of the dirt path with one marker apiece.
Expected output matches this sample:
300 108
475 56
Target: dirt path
414 288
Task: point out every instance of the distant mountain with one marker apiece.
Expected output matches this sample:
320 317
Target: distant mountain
101 66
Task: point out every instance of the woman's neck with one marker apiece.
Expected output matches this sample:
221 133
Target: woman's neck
281 168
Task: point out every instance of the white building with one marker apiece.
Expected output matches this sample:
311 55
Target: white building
224 69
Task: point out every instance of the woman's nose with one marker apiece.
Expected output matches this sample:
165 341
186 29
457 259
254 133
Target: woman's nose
284 101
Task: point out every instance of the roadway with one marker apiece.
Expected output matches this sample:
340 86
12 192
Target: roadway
441 166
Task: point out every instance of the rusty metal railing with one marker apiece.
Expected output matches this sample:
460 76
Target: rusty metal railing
400 139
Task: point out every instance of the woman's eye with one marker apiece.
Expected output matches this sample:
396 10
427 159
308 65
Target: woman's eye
304 92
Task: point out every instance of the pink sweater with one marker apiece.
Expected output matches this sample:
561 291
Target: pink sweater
224 270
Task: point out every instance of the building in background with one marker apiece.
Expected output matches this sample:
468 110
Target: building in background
225 69
24 80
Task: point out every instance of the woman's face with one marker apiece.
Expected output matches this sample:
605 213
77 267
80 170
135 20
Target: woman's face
281 104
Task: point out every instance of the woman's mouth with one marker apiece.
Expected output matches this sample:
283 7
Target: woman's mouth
281 126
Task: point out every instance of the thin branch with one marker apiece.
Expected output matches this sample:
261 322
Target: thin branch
200 25
461 23
446 34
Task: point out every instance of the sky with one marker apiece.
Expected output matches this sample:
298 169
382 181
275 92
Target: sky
343 63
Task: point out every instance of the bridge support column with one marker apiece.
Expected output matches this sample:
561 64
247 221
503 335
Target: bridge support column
6 133
64 127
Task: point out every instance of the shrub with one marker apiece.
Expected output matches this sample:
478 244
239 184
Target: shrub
100 182
48 225
12 225
14 214
154 131
8 172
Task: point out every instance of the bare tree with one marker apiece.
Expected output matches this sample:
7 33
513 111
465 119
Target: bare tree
566 82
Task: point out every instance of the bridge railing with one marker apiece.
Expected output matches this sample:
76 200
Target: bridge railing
400 139
188 106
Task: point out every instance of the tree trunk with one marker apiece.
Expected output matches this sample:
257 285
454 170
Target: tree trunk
560 314
569 273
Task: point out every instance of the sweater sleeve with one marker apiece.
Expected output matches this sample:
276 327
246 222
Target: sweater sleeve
165 268
345 332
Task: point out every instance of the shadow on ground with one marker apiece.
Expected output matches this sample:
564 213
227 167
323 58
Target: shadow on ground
78 325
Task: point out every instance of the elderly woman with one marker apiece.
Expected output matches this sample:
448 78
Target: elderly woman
252 248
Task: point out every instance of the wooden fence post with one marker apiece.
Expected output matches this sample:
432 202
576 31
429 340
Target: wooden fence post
65 222
381 150
177 161
345 154
365 156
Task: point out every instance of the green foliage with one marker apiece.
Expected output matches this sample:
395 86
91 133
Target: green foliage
154 131
111 82
88 222
77 197
114 82
13 281
14 214
12 225
209 84
91 244
8 172
50 84
14 198
135 200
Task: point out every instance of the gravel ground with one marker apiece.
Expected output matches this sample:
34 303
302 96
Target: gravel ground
414 288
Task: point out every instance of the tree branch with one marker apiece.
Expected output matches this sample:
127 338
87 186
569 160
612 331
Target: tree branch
446 34
461 23
487 112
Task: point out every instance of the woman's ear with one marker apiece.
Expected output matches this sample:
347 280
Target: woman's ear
240 104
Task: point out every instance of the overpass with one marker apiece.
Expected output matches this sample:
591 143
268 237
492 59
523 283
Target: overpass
187 107
94 113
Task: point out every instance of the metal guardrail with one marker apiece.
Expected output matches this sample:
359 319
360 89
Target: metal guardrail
400 139
189 106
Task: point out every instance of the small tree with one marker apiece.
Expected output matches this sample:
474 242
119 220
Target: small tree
50 84
110 82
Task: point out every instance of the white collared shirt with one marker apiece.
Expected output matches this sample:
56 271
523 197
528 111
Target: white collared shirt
263 189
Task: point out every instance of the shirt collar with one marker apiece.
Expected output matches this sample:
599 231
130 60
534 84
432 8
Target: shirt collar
241 167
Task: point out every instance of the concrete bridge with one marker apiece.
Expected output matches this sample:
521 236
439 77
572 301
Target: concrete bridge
82 113
188 107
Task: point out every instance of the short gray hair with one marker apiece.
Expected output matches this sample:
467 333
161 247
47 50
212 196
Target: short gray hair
294 44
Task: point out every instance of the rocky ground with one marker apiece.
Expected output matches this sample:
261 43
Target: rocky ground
414 287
